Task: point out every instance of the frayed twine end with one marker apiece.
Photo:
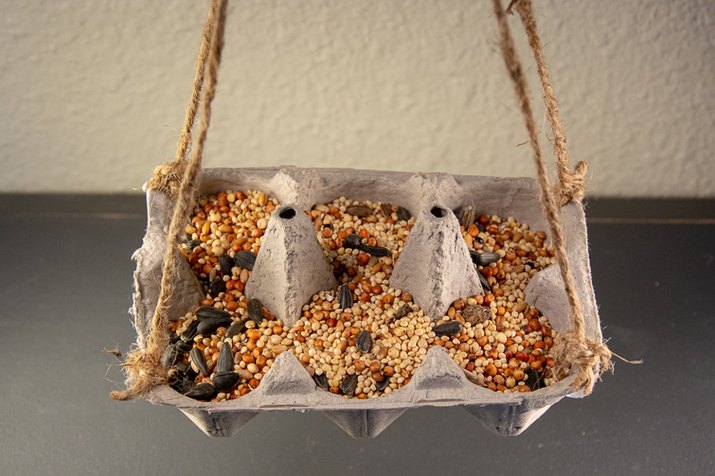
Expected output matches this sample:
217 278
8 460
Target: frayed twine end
144 372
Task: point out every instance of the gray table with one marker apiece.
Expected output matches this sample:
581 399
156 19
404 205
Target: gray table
66 288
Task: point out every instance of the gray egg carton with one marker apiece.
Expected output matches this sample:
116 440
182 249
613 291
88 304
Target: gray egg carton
434 267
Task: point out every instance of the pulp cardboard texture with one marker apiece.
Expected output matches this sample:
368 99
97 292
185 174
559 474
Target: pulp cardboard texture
434 267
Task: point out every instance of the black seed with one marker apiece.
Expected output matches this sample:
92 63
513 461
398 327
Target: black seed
375 250
448 328
348 384
169 356
191 331
245 259
380 386
181 367
403 214
225 358
474 254
321 381
345 297
217 286
193 244
183 385
483 280
208 326
255 310
226 263
351 241
202 391
174 338
190 373
206 312
479 240
360 211
197 357
183 346
237 327
225 381
364 341
488 258
534 379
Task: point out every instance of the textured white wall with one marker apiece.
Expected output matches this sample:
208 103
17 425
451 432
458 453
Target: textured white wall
92 93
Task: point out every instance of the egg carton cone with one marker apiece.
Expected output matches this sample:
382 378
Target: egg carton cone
434 267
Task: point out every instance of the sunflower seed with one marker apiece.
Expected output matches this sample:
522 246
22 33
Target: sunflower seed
534 379
181 367
403 214
191 331
474 254
360 211
237 327
227 263
448 328
386 209
364 341
198 361
169 356
487 258
206 312
348 384
174 338
225 381
217 286
208 326
183 346
225 358
484 281
202 391
380 386
183 385
476 314
245 259
466 215
345 297
255 310
321 381
375 250
351 241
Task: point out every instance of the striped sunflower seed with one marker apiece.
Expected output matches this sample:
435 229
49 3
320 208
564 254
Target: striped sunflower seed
345 297
348 384
254 307
364 341
198 361
245 259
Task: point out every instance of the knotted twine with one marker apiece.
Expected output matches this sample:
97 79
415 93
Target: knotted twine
572 350
143 366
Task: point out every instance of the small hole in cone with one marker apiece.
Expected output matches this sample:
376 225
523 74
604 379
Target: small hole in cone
439 212
287 213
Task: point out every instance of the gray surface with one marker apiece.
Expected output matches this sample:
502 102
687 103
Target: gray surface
66 291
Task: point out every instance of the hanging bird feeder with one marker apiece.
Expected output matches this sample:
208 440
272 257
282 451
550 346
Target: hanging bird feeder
362 294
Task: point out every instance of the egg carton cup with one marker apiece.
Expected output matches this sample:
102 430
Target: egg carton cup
434 267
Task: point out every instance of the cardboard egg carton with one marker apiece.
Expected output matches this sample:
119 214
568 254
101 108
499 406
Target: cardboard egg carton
434 267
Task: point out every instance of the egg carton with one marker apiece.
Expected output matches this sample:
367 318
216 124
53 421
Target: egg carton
434 267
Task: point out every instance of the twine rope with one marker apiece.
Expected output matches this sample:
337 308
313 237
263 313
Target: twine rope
571 184
144 366
572 349
166 177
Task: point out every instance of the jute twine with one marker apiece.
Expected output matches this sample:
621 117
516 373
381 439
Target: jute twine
143 366
166 177
573 351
